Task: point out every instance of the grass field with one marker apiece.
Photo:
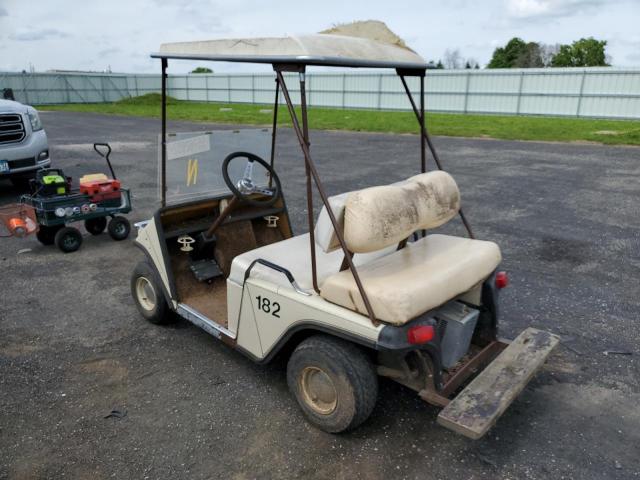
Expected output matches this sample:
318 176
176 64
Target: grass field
612 132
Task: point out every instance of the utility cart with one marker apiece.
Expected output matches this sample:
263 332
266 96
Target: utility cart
370 290
57 205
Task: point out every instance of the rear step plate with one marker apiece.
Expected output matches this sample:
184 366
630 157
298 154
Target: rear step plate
475 410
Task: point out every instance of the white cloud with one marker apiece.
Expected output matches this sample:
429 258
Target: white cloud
530 9
81 34
39 34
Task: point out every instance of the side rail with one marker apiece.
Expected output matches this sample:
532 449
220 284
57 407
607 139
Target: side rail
277 268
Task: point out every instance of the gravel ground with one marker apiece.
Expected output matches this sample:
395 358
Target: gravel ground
73 348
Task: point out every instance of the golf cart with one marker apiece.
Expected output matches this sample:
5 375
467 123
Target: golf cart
369 291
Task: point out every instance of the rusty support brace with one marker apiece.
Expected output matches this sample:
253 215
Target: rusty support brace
420 116
305 133
483 357
323 195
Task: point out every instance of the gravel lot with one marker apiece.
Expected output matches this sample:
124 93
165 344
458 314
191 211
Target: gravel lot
73 348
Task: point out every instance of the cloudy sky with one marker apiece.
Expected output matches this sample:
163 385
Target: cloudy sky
93 34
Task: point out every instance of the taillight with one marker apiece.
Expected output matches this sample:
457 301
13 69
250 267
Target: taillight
502 280
420 334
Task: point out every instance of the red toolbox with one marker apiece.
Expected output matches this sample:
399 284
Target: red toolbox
99 187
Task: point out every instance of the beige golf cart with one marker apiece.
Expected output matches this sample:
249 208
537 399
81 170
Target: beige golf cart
369 291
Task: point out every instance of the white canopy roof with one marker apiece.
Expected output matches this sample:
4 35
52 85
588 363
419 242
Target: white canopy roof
361 44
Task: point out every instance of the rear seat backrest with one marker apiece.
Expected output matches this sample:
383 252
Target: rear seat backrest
378 217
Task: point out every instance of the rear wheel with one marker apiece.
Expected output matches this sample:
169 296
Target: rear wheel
147 293
46 235
68 239
95 226
333 381
119 228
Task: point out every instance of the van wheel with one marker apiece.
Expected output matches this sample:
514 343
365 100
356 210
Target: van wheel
148 296
119 228
47 235
333 381
68 239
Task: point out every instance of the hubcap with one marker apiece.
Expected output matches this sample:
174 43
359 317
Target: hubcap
69 241
145 293
318 390
120 228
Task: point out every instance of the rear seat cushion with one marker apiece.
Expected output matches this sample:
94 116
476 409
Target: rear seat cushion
416 279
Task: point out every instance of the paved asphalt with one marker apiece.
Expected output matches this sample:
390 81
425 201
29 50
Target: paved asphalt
73 348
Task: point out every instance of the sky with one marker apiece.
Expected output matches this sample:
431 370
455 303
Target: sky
119 34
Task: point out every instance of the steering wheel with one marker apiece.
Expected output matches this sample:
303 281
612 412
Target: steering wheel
245 187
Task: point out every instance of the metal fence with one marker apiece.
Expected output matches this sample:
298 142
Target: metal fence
576 92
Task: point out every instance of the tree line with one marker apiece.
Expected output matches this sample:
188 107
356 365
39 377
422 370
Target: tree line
517 53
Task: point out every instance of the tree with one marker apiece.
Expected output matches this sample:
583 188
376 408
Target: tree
530 57
452 59
586 52
505 57
547 52
202 70
439 65
517 54
471 63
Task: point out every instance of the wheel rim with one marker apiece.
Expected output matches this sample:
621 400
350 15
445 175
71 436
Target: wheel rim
69 242
318 390
120 228
145 293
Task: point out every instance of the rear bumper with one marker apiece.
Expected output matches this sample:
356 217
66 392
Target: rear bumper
477 408
27 156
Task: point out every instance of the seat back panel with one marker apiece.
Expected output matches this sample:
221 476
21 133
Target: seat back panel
377 217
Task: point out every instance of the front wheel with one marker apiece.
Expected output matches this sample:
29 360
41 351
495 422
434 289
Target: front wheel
333 381
68 239
119 228
147 293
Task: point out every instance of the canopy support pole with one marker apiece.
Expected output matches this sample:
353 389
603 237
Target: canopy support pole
305 133
420 116
163 142
314 173
274 126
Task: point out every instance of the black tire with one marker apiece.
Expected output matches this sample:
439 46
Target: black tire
68 239
159 312
119 228
352 380
47 235
95 226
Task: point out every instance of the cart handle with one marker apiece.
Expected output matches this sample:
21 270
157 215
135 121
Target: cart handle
105 156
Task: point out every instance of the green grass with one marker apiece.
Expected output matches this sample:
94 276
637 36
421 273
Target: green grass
612 132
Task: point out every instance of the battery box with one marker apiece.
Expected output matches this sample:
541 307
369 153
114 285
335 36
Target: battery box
456 323
51 182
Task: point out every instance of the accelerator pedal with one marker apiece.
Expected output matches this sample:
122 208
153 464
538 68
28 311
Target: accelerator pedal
206 269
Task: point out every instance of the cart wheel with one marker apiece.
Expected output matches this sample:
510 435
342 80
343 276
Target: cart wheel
333 381
95 226
119 228
47 235
68 239
147 293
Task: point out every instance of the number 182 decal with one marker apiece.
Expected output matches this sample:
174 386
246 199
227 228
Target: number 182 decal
267 306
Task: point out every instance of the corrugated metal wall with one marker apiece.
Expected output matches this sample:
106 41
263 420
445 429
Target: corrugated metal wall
576 92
